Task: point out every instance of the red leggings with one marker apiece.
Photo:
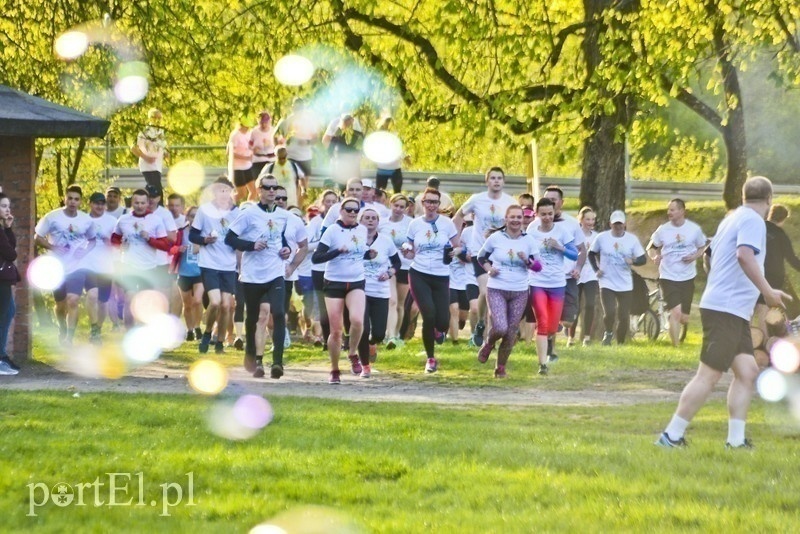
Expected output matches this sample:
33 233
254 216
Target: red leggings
547 305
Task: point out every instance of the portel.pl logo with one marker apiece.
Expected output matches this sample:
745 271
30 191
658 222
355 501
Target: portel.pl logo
117 489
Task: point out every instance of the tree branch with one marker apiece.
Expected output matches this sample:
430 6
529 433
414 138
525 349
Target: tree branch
689 100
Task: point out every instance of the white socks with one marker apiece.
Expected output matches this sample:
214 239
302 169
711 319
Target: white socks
735 432
677 428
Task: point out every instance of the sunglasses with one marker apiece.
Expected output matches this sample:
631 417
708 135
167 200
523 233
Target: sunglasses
270 187
351 210
282 198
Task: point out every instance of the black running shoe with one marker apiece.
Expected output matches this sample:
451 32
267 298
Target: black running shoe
276 371
205 341
477 336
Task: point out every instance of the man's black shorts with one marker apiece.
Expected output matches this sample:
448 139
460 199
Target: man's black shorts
725 336
678 294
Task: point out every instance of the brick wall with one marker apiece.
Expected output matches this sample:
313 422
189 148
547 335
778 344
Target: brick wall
17 176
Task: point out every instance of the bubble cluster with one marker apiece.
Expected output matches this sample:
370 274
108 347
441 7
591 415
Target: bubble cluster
46 273
293 70
383 147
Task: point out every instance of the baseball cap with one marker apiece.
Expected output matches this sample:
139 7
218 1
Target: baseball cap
366 182
97 197
152 191
617 217
433 181
114 189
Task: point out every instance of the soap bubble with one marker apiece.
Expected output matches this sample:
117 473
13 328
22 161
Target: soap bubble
293 69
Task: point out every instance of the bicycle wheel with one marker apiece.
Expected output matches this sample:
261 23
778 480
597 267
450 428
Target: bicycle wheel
651 326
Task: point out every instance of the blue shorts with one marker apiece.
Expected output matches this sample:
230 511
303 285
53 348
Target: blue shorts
73 284
225 281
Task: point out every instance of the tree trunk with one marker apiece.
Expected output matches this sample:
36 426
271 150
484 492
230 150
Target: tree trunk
603 170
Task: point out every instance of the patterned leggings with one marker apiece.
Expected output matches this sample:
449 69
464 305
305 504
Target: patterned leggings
507 308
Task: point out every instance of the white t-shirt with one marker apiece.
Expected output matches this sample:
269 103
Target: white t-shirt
71 233
552 260
373 268
255 224
314 231
213 221
613 252
675 243
102 257
239 144
152 142
299 129
429 244
263 144
170 226
295 234
487 213
136 251
117 213
306 266
728 289
587 273
503 252
466 239
397 232
349 265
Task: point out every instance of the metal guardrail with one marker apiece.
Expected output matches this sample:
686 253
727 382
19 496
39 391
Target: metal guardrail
127 178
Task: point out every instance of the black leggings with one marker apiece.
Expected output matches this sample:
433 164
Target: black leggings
432 294
153 178
376 314
382 177
318 279
616 305
271 293
587 297
238 313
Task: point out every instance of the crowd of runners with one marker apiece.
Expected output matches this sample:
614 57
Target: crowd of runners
373 269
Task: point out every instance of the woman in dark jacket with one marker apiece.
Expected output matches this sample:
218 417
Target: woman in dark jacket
9 276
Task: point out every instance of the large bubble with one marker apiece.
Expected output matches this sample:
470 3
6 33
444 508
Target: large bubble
772 385
186 177
208 377
309 520
71 44
383 147
240 419
784 356
46 273
293 69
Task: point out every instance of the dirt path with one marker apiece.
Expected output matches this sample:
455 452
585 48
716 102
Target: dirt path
312 382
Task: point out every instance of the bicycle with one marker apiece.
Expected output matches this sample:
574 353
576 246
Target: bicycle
655 319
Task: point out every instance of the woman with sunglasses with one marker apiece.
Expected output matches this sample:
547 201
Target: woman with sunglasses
379 268
396 227
343 247
432 244
507 256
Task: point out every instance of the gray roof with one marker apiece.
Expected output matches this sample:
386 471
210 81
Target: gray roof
24 115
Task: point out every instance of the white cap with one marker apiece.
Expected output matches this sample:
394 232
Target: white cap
366 182
617 217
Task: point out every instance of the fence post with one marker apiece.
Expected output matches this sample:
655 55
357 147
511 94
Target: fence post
628 186
533 179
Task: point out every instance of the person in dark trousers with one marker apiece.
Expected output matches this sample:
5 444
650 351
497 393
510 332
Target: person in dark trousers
9 276
779 252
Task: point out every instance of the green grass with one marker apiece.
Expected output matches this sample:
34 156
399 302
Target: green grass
396 467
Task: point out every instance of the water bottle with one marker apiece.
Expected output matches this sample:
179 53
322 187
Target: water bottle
446 258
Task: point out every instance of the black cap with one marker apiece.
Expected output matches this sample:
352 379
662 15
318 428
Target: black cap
433 182
153 191
97 197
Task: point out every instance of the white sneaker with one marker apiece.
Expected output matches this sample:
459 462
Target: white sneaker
6 369
287 341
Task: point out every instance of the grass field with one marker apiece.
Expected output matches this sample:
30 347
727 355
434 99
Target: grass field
392 467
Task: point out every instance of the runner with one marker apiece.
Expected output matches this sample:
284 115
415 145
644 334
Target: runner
258 232
99 263
432 244
185 256
326 200
488 210
240 163
343 248
588 288
612 254
506 256
69 235
396 227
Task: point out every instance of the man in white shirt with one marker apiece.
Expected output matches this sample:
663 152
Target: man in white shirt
141 235
735 279
151 149
217 261
369 200
489 211
164 281
259 232
675 247
69 235
299 131
100 262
